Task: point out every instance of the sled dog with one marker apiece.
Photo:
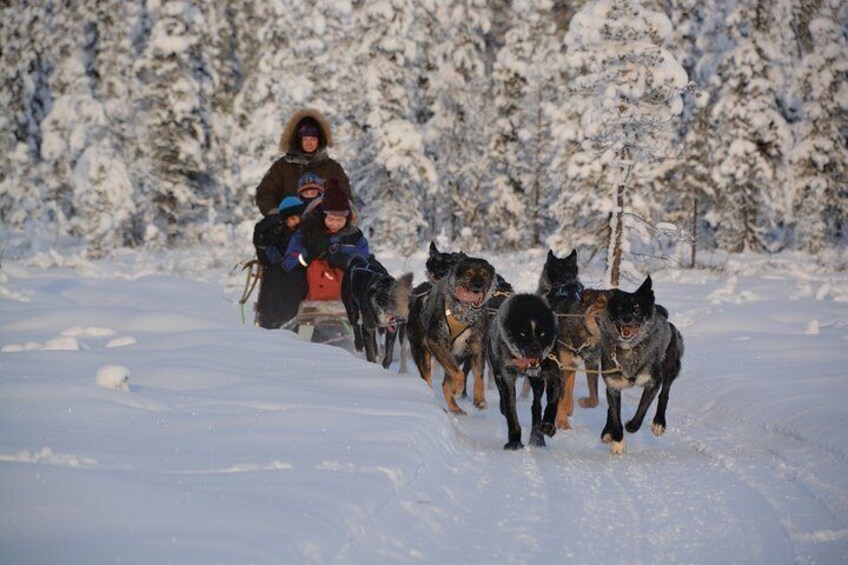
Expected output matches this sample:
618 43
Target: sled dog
643 348
522 335
449 323
375 300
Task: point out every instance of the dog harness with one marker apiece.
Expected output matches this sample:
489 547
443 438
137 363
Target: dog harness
455 327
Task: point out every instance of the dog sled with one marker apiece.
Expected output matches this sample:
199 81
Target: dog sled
323 321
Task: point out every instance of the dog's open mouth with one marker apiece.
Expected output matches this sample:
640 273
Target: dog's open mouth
466 296
629 331
526 363
391 323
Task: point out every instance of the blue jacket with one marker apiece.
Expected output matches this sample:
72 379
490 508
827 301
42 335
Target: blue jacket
337 248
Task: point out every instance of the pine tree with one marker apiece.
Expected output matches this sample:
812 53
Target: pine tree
524 75
750 142
819 157
635 88
457 131
175 84
392 187
25 98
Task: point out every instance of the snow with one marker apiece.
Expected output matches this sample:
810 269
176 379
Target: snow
232 444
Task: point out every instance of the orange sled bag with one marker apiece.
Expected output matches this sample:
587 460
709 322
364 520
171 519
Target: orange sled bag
325 282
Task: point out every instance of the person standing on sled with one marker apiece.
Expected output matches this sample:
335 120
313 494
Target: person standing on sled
301 171
304 141
281 292
326 241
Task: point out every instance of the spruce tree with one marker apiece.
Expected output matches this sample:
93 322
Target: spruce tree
819 157
750 143
634 86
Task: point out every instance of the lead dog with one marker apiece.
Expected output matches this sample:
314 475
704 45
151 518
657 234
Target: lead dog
521 337
449 323
374 300
643 349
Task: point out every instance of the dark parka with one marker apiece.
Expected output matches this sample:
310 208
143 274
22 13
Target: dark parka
281 179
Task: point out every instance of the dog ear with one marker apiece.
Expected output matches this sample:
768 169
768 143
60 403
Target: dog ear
646 290
601 301
433 249
572 256
551 255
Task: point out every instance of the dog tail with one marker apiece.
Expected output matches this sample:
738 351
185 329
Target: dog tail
401 292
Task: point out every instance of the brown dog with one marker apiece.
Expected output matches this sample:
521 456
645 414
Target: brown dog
579 335
449 323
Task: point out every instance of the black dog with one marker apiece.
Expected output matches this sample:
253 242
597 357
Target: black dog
438 265
449 323
522 335
374 300
645 349
558 278
560 288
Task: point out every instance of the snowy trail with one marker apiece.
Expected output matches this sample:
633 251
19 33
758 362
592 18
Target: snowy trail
572 500
234 445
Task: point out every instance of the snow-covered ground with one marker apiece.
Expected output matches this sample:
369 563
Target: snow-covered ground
141 422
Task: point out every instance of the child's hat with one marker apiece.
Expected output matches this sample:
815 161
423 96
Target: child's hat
310 181
335 200
291 206
308 128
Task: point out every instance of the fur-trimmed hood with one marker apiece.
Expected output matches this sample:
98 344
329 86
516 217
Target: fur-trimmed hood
287 139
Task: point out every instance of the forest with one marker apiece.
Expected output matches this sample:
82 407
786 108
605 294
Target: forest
498 125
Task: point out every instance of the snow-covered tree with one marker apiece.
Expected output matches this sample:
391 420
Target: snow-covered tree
524 78
175 84
392 188
819 157
635 87
456 133
25 99
750 142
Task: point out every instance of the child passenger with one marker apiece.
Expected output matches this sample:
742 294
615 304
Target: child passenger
280 291
326 241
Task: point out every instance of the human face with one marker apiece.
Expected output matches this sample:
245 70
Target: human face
292 222
334 222
309 193
309 144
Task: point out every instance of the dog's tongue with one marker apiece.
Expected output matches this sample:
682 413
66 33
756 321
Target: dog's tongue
473 298
526 362
628 332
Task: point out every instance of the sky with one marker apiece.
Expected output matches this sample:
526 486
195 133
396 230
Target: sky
142 422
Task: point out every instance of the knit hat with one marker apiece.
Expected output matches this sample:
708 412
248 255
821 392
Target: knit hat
308 128
292 206
335 200
310 181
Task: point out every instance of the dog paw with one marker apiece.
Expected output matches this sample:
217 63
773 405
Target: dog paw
481 403
563 423
606 437
513 445
658 429
537 439
458 411
587 402
632 426
548 429
617 448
